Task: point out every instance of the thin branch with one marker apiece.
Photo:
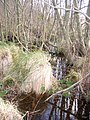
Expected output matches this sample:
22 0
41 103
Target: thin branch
30 113
68 89
66 9
20 42
83 7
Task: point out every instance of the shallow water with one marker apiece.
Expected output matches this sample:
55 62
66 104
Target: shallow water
59 70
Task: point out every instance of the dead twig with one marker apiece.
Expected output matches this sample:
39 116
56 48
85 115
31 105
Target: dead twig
68 89
66 9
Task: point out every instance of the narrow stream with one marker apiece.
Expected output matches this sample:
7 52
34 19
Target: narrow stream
70 108
59 71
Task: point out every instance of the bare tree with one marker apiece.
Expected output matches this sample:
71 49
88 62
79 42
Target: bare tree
87 34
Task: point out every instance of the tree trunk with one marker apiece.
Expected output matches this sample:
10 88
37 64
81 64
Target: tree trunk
87 30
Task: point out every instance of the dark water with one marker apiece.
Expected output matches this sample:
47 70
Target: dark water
77 109
59 70
74 105
55 115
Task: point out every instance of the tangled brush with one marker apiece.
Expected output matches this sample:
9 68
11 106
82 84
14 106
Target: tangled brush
8 112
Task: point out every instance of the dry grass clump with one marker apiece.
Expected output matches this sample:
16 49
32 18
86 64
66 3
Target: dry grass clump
8 112
5 59
40 78
32 71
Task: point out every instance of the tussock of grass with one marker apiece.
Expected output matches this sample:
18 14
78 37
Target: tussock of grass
5 59
40 74
8 111
18 69
32 70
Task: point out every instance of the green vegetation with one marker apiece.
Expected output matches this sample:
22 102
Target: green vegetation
65 83
31 31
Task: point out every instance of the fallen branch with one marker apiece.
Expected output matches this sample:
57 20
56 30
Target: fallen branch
68 89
